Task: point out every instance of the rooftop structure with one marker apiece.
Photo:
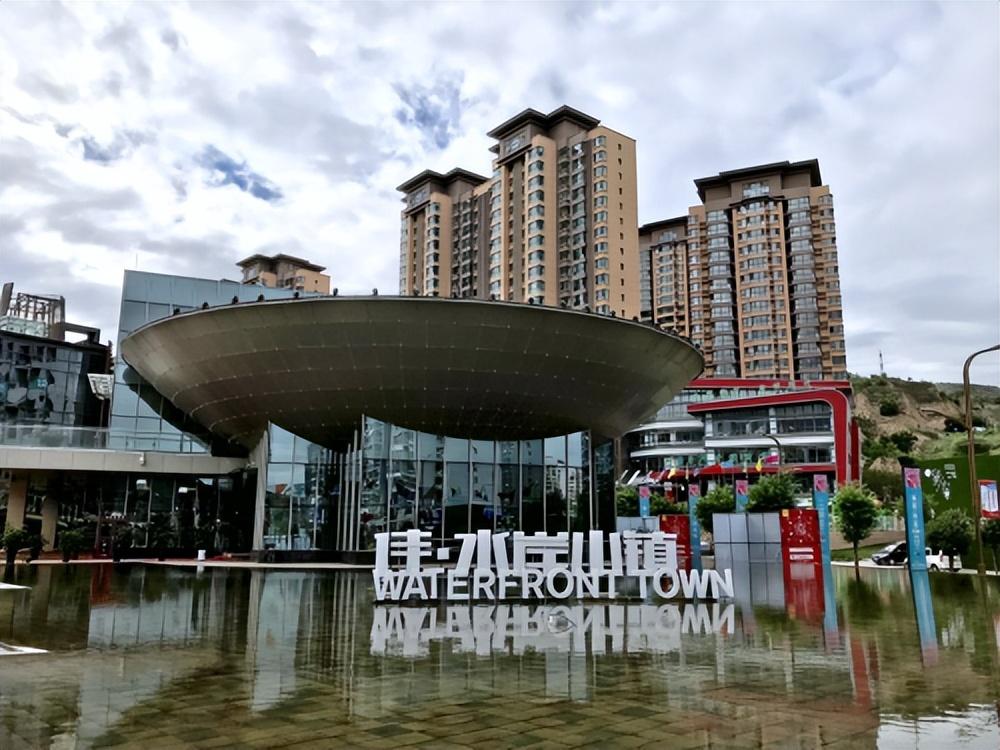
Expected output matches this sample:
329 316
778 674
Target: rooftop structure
285 272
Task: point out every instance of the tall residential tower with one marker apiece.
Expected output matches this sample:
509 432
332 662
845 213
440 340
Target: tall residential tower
555 223
751 274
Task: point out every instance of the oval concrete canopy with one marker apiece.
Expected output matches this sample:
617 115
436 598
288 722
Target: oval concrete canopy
464 368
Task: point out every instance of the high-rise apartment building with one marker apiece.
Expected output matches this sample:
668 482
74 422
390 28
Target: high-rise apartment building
751 274
556 223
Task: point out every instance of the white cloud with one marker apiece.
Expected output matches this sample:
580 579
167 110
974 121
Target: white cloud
334 105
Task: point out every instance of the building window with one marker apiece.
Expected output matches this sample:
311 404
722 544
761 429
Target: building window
536 287
536 196
601 156
600 171
601 247
601 232
600 201
601 186
600 216
600 140
601 279
754 189
536 182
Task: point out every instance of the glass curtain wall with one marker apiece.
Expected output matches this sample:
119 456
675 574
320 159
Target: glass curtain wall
140 418
297 504
446 486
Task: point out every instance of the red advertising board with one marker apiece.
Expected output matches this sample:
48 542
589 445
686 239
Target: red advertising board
681 526
802 558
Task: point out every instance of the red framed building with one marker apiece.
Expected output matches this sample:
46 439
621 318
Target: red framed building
723 427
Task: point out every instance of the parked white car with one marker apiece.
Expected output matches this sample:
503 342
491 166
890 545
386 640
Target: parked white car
939 561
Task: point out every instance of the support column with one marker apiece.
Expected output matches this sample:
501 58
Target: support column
16 501
50 518
259 456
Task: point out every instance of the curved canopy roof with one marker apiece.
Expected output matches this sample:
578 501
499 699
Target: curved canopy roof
464 368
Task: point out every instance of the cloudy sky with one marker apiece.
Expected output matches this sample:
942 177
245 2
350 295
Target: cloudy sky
181 138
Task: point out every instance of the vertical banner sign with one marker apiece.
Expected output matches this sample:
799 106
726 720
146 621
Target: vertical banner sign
989 504
694 495
742 493
913 502
821 502
924 608
644 501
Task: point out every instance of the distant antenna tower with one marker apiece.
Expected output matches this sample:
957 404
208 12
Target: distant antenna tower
881 364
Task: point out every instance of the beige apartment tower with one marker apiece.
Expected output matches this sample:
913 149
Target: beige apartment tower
751 275
555 223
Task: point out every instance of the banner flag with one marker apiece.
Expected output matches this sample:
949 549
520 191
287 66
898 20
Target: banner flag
694 495
913 503
742 494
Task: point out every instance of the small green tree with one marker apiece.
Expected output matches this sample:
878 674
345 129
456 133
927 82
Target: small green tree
627 501
889 407
719 500
887 485
904 440
950 532
856 513
772 493
991 540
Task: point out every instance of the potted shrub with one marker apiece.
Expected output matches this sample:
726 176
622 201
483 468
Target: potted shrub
13 541
71 543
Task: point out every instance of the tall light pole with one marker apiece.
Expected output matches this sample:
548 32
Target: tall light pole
970 435
769 436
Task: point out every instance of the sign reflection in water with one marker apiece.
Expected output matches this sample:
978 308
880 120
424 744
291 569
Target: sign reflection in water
518 628
144 655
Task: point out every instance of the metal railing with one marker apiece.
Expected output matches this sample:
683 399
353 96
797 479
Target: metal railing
90 438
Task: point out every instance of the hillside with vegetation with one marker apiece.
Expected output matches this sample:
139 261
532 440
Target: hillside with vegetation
920 419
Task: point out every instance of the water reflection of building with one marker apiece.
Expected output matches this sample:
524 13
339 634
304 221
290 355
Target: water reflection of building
223 650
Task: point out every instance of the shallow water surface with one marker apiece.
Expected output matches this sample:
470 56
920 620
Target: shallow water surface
157 657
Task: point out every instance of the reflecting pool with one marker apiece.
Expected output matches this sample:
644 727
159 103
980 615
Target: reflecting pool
160 657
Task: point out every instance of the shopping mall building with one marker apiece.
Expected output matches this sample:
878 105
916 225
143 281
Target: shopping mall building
251 418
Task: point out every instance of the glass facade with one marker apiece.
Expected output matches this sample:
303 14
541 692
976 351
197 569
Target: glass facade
140 418
400 479
298 508
44 382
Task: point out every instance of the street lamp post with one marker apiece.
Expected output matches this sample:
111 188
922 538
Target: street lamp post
769 436
971 440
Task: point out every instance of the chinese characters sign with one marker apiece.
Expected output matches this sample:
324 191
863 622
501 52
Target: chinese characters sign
538 566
